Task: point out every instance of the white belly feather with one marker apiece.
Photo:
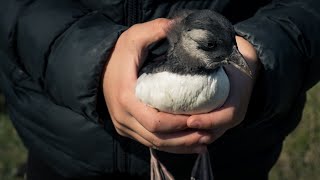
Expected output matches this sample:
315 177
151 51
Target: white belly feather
183 94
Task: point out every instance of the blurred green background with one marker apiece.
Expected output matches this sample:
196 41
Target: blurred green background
300 158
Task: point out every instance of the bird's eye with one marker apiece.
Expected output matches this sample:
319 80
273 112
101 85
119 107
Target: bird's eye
210 45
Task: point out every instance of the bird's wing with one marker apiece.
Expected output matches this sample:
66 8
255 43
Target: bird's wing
153 63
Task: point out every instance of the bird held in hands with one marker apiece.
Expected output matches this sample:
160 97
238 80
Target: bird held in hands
191 79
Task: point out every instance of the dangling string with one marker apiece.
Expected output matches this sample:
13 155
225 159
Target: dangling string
158 170
201 170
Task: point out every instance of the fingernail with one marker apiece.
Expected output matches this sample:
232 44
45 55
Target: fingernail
195 124
204 140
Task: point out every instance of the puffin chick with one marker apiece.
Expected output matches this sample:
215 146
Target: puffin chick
191 79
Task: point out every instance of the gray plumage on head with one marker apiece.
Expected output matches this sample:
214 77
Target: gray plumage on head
200 41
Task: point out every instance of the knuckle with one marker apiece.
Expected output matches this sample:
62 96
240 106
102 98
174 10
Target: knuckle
161 22
123 99
132 31
135 26
160 26
210 140
120 132
116 119
186 143
153 126
212 124
190 142
129 35
157 142
233 120
118 126
125 34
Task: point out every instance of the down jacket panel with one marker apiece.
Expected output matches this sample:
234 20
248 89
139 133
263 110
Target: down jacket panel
52 54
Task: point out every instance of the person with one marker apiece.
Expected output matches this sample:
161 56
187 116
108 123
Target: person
68 71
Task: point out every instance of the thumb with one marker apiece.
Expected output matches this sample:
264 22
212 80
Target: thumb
150 32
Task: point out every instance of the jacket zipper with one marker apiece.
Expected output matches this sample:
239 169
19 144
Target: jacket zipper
121 160
133 12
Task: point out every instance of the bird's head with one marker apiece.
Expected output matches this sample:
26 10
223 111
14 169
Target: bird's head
207 38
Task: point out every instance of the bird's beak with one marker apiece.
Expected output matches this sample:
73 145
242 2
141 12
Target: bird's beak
238 61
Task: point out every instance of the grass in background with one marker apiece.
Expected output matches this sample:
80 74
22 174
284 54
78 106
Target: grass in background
12 152
300 158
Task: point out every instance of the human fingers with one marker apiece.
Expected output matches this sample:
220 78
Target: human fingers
234 109
140 36
130 117
149 32
220 119
225 117
185 142
152 119
129 48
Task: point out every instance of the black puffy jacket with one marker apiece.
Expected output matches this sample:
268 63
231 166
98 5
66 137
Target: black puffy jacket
53 53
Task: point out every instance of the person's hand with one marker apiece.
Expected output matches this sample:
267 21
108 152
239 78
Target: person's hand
234 109
130 117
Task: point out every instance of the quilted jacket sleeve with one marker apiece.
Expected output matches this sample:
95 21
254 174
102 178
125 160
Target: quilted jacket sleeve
286 36
53 54
62 45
